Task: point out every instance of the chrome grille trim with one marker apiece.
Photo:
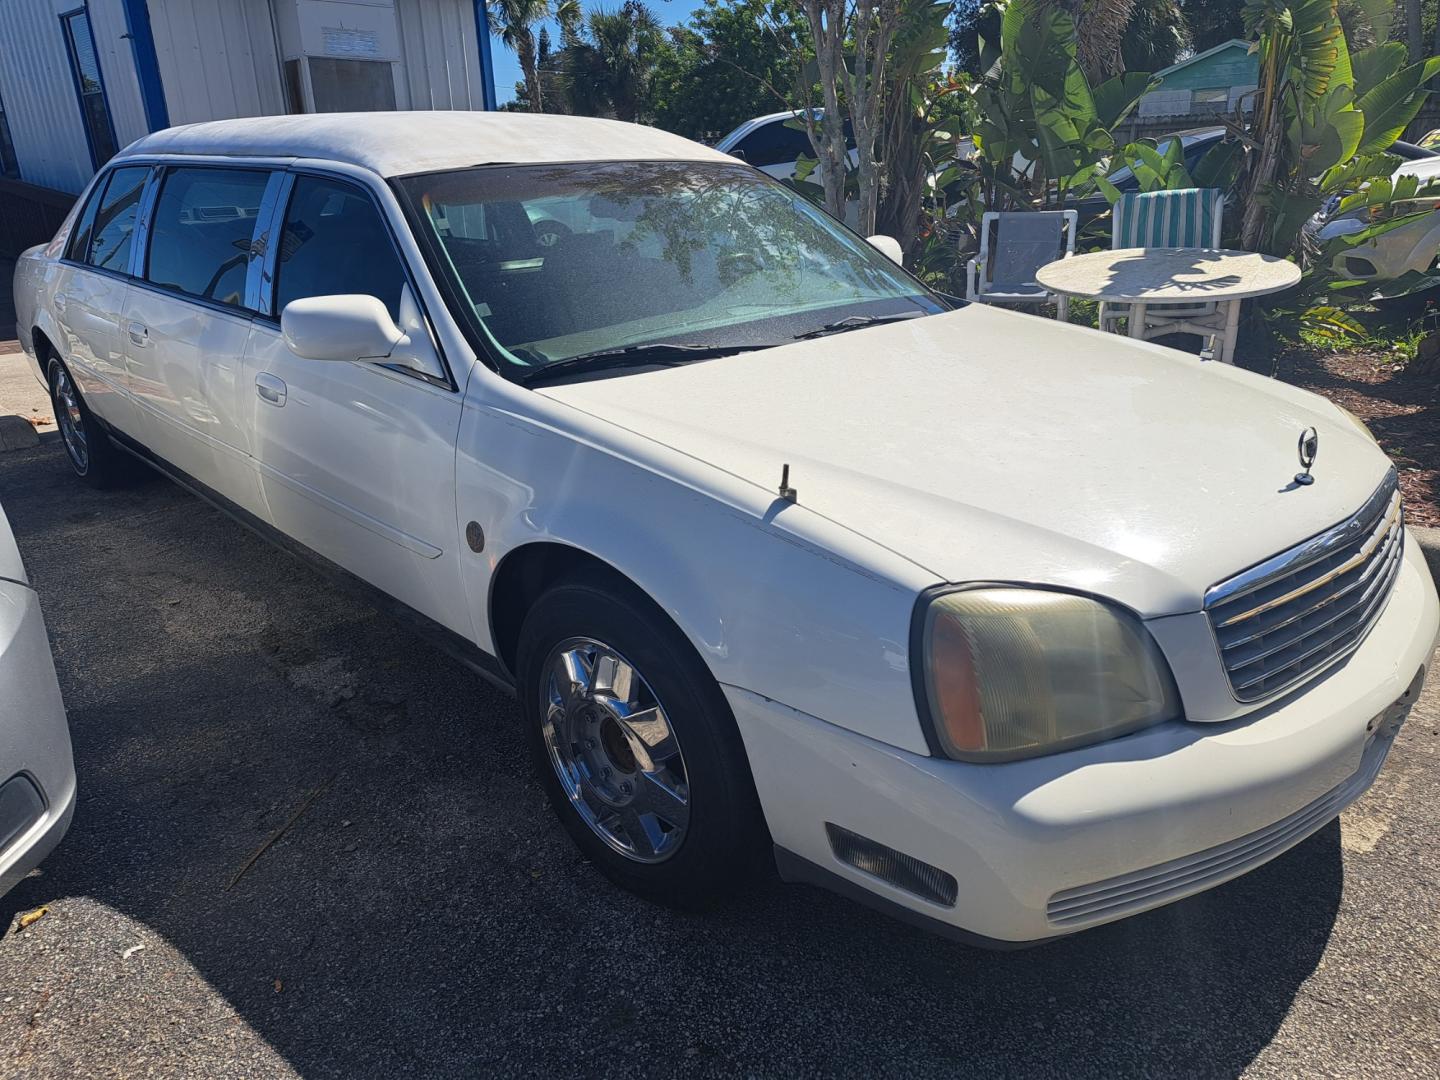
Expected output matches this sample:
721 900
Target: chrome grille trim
1291 616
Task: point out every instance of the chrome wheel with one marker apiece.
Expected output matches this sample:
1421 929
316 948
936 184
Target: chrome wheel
70 419
614 751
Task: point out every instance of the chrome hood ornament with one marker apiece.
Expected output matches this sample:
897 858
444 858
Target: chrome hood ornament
1309 447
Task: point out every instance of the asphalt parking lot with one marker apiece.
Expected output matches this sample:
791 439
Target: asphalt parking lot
424 916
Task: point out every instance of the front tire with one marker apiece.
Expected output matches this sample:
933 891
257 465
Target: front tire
635 745
92 456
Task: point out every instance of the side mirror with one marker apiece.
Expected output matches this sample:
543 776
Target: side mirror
343 327
355 327
889 247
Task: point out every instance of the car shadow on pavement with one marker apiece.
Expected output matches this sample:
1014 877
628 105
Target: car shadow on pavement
423 915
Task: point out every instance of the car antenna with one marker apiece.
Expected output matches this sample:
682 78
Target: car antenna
788 493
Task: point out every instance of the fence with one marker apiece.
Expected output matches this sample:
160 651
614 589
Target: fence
29 214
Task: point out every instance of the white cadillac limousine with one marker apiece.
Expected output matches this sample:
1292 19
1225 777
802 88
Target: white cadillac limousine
1006 627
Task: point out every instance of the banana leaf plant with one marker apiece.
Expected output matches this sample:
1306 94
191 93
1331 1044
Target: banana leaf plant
1044 134
1323 118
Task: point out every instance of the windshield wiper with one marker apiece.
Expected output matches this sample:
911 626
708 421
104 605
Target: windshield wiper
653 354
857 322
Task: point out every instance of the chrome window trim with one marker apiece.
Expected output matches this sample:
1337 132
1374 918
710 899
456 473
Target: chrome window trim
260 275
140 247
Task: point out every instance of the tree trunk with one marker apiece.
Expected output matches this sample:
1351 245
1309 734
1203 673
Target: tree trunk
1267 133
1099 35
827 28
1414 37
529 70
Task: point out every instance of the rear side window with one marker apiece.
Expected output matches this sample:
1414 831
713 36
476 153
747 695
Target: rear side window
201 234
775 144
113 229
335 242
80 234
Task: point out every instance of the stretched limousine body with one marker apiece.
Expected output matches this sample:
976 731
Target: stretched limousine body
1008 627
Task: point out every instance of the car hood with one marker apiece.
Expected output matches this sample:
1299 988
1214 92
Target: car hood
987 445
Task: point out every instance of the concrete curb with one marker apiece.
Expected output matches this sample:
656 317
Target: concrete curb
17 433
1429 541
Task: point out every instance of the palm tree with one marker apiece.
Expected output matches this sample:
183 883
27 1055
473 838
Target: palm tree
1100 27
609 67
515 22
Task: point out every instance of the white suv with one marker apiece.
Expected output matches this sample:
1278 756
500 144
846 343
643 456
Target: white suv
1008 627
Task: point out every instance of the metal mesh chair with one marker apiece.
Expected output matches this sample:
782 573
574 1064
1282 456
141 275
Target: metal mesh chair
1013 247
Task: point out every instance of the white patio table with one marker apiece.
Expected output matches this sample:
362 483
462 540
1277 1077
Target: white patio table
1146 277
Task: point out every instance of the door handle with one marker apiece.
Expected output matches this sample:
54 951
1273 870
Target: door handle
139 333
271 388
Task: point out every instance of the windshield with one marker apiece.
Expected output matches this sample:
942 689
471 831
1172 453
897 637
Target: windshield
558 262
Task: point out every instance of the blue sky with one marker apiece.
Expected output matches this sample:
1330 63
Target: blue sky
507 68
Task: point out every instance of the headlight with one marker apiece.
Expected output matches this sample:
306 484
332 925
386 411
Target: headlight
1010 673
1358 423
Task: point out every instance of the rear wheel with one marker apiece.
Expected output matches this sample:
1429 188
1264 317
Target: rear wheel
635 745
92 456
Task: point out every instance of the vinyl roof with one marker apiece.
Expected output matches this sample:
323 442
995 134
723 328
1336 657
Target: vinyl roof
396 143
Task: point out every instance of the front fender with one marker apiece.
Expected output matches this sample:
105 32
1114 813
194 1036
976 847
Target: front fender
775 599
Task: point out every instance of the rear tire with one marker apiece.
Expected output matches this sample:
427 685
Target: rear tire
636 746
92 456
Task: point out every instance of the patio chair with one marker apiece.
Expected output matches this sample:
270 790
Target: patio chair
1183 218
1012 248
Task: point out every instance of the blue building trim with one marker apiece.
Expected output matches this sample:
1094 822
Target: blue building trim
147 64
487 63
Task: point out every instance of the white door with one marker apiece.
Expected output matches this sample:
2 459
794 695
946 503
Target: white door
186 326
356 460
91 295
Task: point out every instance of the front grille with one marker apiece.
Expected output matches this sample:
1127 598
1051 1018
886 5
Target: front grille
1293 615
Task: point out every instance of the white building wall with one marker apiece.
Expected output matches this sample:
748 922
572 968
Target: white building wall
441 55
117 63
38 88
217 59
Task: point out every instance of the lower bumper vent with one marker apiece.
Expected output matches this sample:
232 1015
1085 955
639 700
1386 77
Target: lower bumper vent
893 867
1156 885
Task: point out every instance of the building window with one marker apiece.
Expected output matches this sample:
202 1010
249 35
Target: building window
351 85
1211 100
9 166
85 66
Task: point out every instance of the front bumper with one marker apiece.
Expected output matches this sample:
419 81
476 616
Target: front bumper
37 772
1047 846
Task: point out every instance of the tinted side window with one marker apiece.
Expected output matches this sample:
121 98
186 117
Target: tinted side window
108 246
200 239
775 144
80 234
335 241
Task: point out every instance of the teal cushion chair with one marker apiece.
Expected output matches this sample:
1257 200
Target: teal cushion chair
1184 218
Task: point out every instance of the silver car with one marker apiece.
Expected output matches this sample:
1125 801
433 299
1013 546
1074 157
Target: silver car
37 773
